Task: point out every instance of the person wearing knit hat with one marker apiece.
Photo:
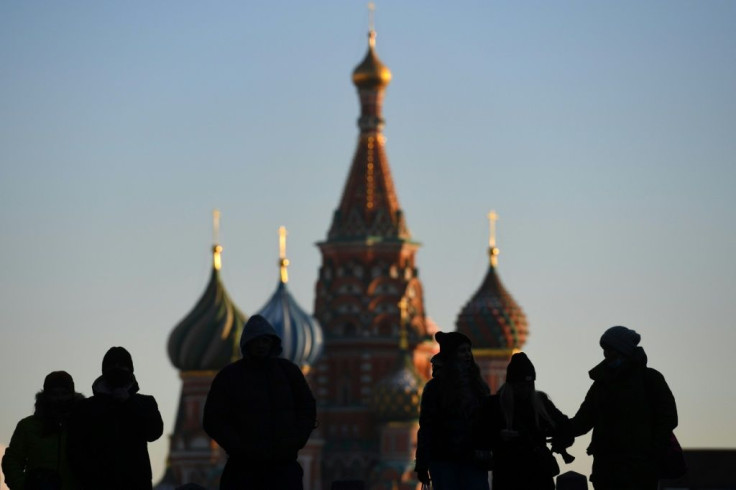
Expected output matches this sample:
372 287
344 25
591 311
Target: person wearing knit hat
110 431
631 411
520 369
261 411
620 339
521 420
37 454
449 451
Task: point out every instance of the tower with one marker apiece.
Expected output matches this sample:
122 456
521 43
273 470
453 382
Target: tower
368 266
204 342
493 320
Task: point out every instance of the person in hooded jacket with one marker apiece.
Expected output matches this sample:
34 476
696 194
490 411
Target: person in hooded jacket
450 451
110 431
632 413
521 420
261 411
37 456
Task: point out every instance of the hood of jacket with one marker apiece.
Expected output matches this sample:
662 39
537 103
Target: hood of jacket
255 327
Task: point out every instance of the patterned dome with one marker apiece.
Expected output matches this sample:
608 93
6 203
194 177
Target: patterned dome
301 334
492 318
396 397
207 338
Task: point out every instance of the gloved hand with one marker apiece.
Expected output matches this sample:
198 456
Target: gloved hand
423 476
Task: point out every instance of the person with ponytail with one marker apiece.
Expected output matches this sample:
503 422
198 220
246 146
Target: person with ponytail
521 420
450 452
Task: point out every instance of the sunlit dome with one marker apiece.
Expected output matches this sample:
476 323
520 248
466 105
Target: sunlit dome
301 334
206 339
492 319
371 72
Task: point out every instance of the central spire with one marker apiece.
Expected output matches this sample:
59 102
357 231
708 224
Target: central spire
369 208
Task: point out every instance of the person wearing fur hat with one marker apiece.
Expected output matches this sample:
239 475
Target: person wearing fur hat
449 450
521 419
631 411
261 411
37 455
110 431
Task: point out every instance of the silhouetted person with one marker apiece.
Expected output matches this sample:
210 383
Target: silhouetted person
111 430
521 421
261 411
449 446
572 481
37 456
631 411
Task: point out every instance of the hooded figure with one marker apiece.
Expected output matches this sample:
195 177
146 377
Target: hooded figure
110 431
37 453
261 411
632 413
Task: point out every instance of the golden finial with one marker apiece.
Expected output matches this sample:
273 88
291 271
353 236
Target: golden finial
492 249
216 248
283 261
403 308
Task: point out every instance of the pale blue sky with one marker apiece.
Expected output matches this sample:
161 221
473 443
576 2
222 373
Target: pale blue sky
603 134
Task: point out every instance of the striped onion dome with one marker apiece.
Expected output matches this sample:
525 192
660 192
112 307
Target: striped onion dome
207 338
492 319
301 334
396 398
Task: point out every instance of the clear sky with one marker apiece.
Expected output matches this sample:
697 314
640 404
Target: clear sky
602 133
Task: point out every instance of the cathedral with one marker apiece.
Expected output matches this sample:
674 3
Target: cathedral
365 348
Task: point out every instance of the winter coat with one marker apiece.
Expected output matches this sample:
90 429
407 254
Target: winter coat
39 443
446 433
524 462
260 411
109 439
632 413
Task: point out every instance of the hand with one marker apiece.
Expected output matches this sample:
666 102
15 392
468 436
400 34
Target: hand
423 476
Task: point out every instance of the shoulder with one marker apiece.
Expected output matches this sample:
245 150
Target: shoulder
290 369
654 379
145 399
29 423
230 371
544 397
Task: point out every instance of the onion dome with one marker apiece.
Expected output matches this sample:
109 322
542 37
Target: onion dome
207 338
396 398
371 72
492 319
301 334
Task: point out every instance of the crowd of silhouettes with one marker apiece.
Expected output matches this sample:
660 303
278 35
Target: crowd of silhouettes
73 443
261 411
464 432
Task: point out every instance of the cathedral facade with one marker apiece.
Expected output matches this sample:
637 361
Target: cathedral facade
367 346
